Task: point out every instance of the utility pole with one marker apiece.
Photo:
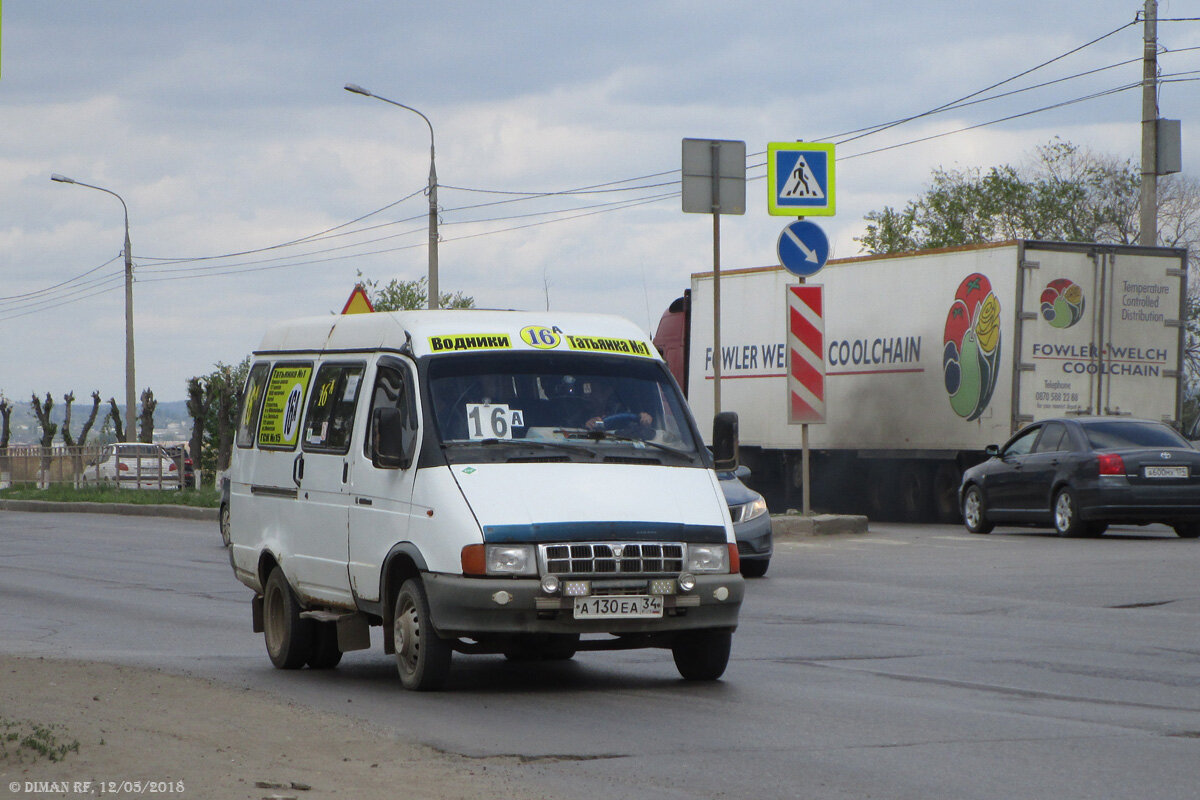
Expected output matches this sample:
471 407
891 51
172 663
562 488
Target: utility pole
1148 223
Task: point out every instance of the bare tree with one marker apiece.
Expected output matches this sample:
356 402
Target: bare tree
6 410
114 418
146 418
49 429
198 402
69 439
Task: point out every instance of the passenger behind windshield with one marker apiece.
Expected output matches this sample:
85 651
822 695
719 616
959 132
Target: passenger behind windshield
556 397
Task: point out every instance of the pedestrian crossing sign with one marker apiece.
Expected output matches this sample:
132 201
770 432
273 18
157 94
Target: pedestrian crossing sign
800 179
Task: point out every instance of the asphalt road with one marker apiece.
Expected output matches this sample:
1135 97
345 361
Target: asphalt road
913 662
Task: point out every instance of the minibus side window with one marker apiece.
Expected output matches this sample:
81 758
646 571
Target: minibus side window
331 406
391 391
252 399
282 404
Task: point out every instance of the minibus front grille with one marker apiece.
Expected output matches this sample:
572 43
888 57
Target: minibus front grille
612 558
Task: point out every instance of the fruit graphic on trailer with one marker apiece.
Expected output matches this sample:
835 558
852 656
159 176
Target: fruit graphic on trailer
1062 303
971 346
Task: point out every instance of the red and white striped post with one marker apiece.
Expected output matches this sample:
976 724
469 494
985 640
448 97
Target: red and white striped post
806 370
806 354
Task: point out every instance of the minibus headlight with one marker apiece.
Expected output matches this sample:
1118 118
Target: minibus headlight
510 559
708 557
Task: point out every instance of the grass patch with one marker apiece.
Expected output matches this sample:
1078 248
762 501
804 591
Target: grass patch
22 741
200 498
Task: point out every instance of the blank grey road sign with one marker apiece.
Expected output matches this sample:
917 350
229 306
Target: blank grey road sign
698 176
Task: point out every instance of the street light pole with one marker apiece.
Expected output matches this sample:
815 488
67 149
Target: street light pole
130 383
432 192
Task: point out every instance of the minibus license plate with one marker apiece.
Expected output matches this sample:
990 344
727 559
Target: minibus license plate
619 607
1166 472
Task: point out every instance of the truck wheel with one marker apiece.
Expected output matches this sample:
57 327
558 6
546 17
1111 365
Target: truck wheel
224 521
946 480
974 511
916 493
289 638
1066 515
325 653
422 658
702 655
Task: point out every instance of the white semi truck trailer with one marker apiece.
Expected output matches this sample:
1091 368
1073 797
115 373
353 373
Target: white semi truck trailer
931 356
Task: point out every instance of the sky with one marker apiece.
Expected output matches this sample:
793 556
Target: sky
258 189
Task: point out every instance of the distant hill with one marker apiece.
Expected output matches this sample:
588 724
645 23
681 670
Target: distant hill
171 421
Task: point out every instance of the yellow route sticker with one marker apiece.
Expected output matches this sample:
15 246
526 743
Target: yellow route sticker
602 344
472 341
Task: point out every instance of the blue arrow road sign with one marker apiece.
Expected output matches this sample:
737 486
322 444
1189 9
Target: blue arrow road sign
803 248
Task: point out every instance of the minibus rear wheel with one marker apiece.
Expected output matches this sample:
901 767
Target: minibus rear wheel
289 638
422 657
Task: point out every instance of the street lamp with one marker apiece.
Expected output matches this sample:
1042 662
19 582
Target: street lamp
432 192
130 383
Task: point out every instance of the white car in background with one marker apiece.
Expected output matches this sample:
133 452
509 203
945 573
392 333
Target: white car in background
134 465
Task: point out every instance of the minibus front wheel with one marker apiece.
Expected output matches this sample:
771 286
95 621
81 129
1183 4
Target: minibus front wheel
702 655
422 657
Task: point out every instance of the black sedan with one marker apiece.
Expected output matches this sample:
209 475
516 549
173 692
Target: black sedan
751 523
1082 473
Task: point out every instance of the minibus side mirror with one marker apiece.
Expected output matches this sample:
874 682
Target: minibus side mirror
725 441
388 439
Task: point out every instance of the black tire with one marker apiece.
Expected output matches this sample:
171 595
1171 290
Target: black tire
223 517
289 638
974 511
325 653
543 647
755 568
1066 515
946 480
916 493
422 657
1187 530
702 655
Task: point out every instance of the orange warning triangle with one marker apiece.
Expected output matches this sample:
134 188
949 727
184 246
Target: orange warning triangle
358 302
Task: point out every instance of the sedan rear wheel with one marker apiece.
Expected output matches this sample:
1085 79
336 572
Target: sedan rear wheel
1187 530
974 511
1066 515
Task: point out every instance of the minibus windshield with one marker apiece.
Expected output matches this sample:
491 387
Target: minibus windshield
589 400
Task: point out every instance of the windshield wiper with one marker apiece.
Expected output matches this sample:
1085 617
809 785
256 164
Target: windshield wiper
597 436
568 446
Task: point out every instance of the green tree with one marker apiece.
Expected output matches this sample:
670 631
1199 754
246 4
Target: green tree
398 295
213 405
1067 194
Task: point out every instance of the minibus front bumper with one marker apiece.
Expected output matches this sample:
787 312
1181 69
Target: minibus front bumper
468 607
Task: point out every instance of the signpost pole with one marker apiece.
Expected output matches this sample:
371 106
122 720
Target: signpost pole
805 485
800 177
706 163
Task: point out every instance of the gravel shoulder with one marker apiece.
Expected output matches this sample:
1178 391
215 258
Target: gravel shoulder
200 739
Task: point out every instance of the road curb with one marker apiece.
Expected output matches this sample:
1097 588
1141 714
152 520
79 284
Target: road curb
785 526
128 509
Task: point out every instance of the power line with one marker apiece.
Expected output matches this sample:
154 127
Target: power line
14 297
187 268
